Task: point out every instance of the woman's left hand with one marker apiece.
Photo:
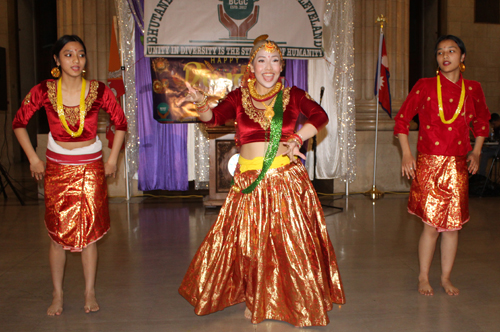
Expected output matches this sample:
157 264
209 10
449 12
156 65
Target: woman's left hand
292 151
473 160
110 169
193 95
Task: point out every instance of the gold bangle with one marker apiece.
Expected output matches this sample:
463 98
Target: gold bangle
298 137
301 138
201 103
293 139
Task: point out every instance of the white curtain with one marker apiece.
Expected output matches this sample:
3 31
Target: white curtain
336 157
126 25
198 158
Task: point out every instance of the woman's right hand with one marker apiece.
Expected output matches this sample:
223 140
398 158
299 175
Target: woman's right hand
408 166
293 149
37 168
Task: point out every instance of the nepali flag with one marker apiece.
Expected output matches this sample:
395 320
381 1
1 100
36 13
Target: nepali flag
115 79
382 90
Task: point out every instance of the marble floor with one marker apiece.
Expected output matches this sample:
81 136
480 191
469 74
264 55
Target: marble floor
143 258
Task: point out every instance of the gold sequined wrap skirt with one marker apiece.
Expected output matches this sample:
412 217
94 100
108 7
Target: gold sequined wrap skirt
76 204
439 194
270 249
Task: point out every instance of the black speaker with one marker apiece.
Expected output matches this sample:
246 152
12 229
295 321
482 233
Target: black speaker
3 80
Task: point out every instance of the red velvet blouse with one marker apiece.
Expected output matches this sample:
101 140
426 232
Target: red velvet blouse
252 126
434 136
44 95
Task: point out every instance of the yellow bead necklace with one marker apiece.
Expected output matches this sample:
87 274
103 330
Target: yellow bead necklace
440 102
60 110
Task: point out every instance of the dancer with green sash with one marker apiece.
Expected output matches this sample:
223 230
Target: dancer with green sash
269 246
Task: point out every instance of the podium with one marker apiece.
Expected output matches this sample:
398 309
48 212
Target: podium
221 148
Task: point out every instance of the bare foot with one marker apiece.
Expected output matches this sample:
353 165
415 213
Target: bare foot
56 308
449 288
248 314
91 304
424 288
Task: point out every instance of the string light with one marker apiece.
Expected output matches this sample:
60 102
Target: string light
201 160
126 24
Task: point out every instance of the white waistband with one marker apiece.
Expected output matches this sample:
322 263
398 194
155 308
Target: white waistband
92 148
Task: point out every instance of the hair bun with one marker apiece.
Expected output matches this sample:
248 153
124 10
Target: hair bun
258 39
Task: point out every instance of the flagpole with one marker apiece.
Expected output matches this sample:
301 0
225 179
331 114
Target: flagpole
374 193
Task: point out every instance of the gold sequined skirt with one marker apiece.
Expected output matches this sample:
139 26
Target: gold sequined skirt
439 194
76 204
270 249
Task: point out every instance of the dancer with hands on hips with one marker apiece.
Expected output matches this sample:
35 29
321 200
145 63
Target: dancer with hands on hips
75 188
269 246
446 105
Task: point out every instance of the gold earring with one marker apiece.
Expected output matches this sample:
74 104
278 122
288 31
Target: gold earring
462 67
55 72
83 73
437 71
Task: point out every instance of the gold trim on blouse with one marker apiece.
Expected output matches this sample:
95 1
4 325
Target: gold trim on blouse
256 114
72 114
27 99
308 96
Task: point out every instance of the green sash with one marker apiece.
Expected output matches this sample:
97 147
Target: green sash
274 142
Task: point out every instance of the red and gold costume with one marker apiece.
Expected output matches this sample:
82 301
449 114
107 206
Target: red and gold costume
439 192
252 125
76 212
269 248
45 95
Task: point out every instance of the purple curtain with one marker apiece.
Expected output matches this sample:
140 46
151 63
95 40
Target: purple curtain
163 147
296 73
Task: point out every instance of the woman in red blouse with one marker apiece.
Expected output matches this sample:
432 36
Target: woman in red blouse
446 105
76 205
269 246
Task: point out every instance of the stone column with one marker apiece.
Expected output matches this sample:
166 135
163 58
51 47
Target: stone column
366 41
